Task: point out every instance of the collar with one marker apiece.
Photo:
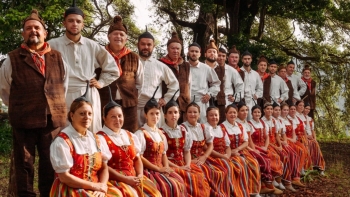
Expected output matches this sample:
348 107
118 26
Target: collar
196 66
191 126
166 128
108 131
149 129
67 41
227 123
74 133
243 68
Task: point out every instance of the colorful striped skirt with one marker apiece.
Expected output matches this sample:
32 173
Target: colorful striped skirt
147 189
308 163
195 181
241 179
60 189
276 162
264 163
290 172
253 169
302 152
317 159
169 185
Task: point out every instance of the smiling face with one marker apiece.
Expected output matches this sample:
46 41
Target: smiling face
231 114
262 66
174 51
213 117
73 23
34 34
285 111
211 55
282 73
192 114
292 111
117 39
276 112
256 114
172 115
114 119
81 118
243 113
268 111
300 107
221 58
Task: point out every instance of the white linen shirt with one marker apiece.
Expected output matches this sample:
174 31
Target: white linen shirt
297 82
203 74
246 125
176 133
278 88
155 72
306 122
282 124
155 135
295 121
252 84
232 78
60 156
120 139
6 79
197 132
218 133
269 123
235 130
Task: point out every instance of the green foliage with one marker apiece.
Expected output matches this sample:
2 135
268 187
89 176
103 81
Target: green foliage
5 137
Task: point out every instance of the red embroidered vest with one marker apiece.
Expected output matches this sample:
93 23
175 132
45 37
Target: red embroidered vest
154 150
272 132
235 140
175 150
300 130
258 137
219 144
197 146
289 130
122 160
84 166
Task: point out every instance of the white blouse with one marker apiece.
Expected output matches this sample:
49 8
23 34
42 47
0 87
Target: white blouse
259 125
295 121
282 124
60 156
197 132
176 133
246 125
155 135
120 139
269 123
218 133
306 122
235 130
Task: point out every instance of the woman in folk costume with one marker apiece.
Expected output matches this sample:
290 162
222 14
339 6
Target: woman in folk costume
300 137
178 146
247 169
259 145
222 152
278 164
288 154
317 159
202 147
125 166
78 159
153 154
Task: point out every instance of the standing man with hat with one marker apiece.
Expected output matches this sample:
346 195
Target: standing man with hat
233 59
83 56
253 86
155 74
33 85
205 82
127 88
181 70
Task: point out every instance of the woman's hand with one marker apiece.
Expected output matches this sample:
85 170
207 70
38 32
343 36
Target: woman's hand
165 170
133 181
264 148
185 167
98 194
284 143
200 160
99 187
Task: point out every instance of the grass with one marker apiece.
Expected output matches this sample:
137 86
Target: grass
5 137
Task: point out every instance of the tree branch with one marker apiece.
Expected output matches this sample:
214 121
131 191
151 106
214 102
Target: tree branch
174 17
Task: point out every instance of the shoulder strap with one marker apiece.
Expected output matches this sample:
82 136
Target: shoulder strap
65 137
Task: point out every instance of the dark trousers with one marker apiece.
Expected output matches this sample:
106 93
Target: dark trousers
24 143
130 117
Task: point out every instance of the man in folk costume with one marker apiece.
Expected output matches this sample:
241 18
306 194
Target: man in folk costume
33 85
297 83
181 70
253 86
156 74
262 66
127 88
83 56
205 82
310 93
274 87
232 82
233 59
292 93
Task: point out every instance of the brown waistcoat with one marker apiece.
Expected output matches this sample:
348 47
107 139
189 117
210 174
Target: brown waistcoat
220 71
241 73
31 93
125 84
290 92
182 76
311 99
266 89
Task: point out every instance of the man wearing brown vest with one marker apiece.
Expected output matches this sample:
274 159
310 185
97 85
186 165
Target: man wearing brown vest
310 93
33 85
127 87
292 93
181 70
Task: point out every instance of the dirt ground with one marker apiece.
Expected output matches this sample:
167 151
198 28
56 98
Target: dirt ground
336 183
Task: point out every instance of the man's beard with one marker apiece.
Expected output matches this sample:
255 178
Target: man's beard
212 60
33 41
193 59
246 65
145 53
71 33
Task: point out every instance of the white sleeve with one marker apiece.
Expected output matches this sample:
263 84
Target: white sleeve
171 83
139 77
245 135
302 86
227 140
106 153
5 80
259 87
188 140
238 84
142 141
284 90
208 132
110 71
60 156
214 82
137 144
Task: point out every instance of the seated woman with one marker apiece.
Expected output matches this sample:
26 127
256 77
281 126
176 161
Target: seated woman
125 166
258 144
288 140
178 146
78 159
317 159
300 138
202 146
153 154
247 169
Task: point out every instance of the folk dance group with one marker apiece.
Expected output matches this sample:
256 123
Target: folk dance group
170 127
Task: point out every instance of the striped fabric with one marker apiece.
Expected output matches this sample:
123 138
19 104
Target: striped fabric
147 189
317 159
253 172
290 169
